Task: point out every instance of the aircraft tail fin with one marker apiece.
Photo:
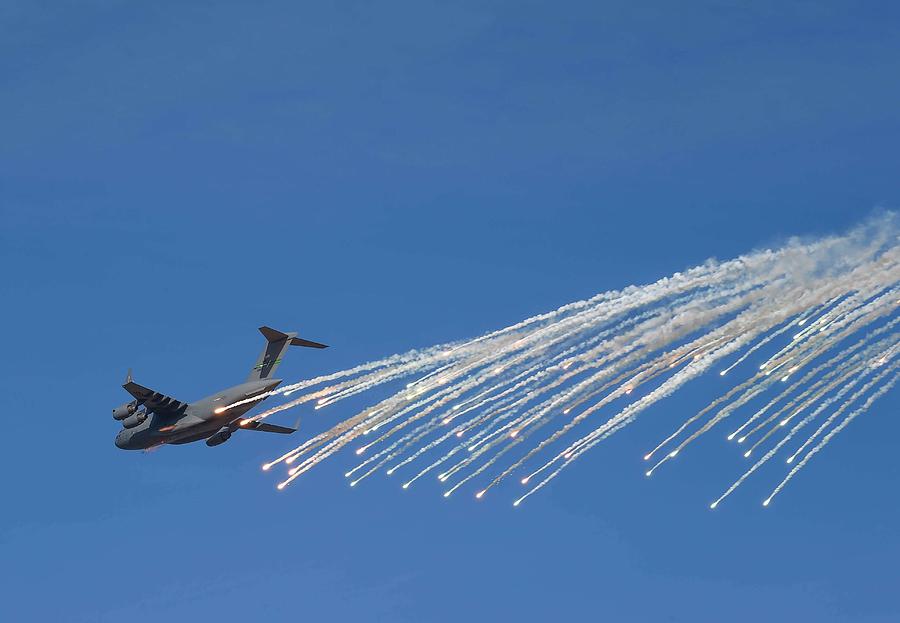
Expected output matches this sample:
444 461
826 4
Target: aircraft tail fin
276 345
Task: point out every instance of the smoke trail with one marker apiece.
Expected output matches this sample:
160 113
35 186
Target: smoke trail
837 429
813 311
849 383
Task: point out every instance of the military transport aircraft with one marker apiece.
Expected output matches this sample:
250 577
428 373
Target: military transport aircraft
153 419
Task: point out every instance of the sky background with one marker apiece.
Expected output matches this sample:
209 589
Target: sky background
383 176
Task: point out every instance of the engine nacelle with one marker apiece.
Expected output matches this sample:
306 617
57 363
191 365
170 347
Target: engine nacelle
122 412
135 420
221 436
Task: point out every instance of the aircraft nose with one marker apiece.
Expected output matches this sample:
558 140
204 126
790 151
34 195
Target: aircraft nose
120 440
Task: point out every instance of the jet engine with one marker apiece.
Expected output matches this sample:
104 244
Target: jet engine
122 412
221 436
134 420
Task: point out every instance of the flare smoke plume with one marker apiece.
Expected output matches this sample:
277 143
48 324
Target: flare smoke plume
808 331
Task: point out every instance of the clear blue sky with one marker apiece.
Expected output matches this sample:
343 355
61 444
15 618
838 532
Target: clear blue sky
381 176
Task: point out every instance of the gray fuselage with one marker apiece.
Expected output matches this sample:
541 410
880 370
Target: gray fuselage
199 421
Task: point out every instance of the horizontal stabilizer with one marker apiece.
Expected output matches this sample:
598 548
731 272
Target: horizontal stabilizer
297 341
274 335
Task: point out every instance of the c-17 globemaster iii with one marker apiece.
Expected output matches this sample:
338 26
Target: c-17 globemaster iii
153 419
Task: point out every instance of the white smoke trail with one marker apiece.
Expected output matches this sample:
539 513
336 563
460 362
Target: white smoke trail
837 429
849 383
471 403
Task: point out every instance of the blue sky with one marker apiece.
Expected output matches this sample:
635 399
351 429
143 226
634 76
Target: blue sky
393 175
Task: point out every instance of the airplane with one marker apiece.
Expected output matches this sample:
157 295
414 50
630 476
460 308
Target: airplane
153 419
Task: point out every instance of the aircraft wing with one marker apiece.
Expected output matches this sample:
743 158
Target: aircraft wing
161 404
265 427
